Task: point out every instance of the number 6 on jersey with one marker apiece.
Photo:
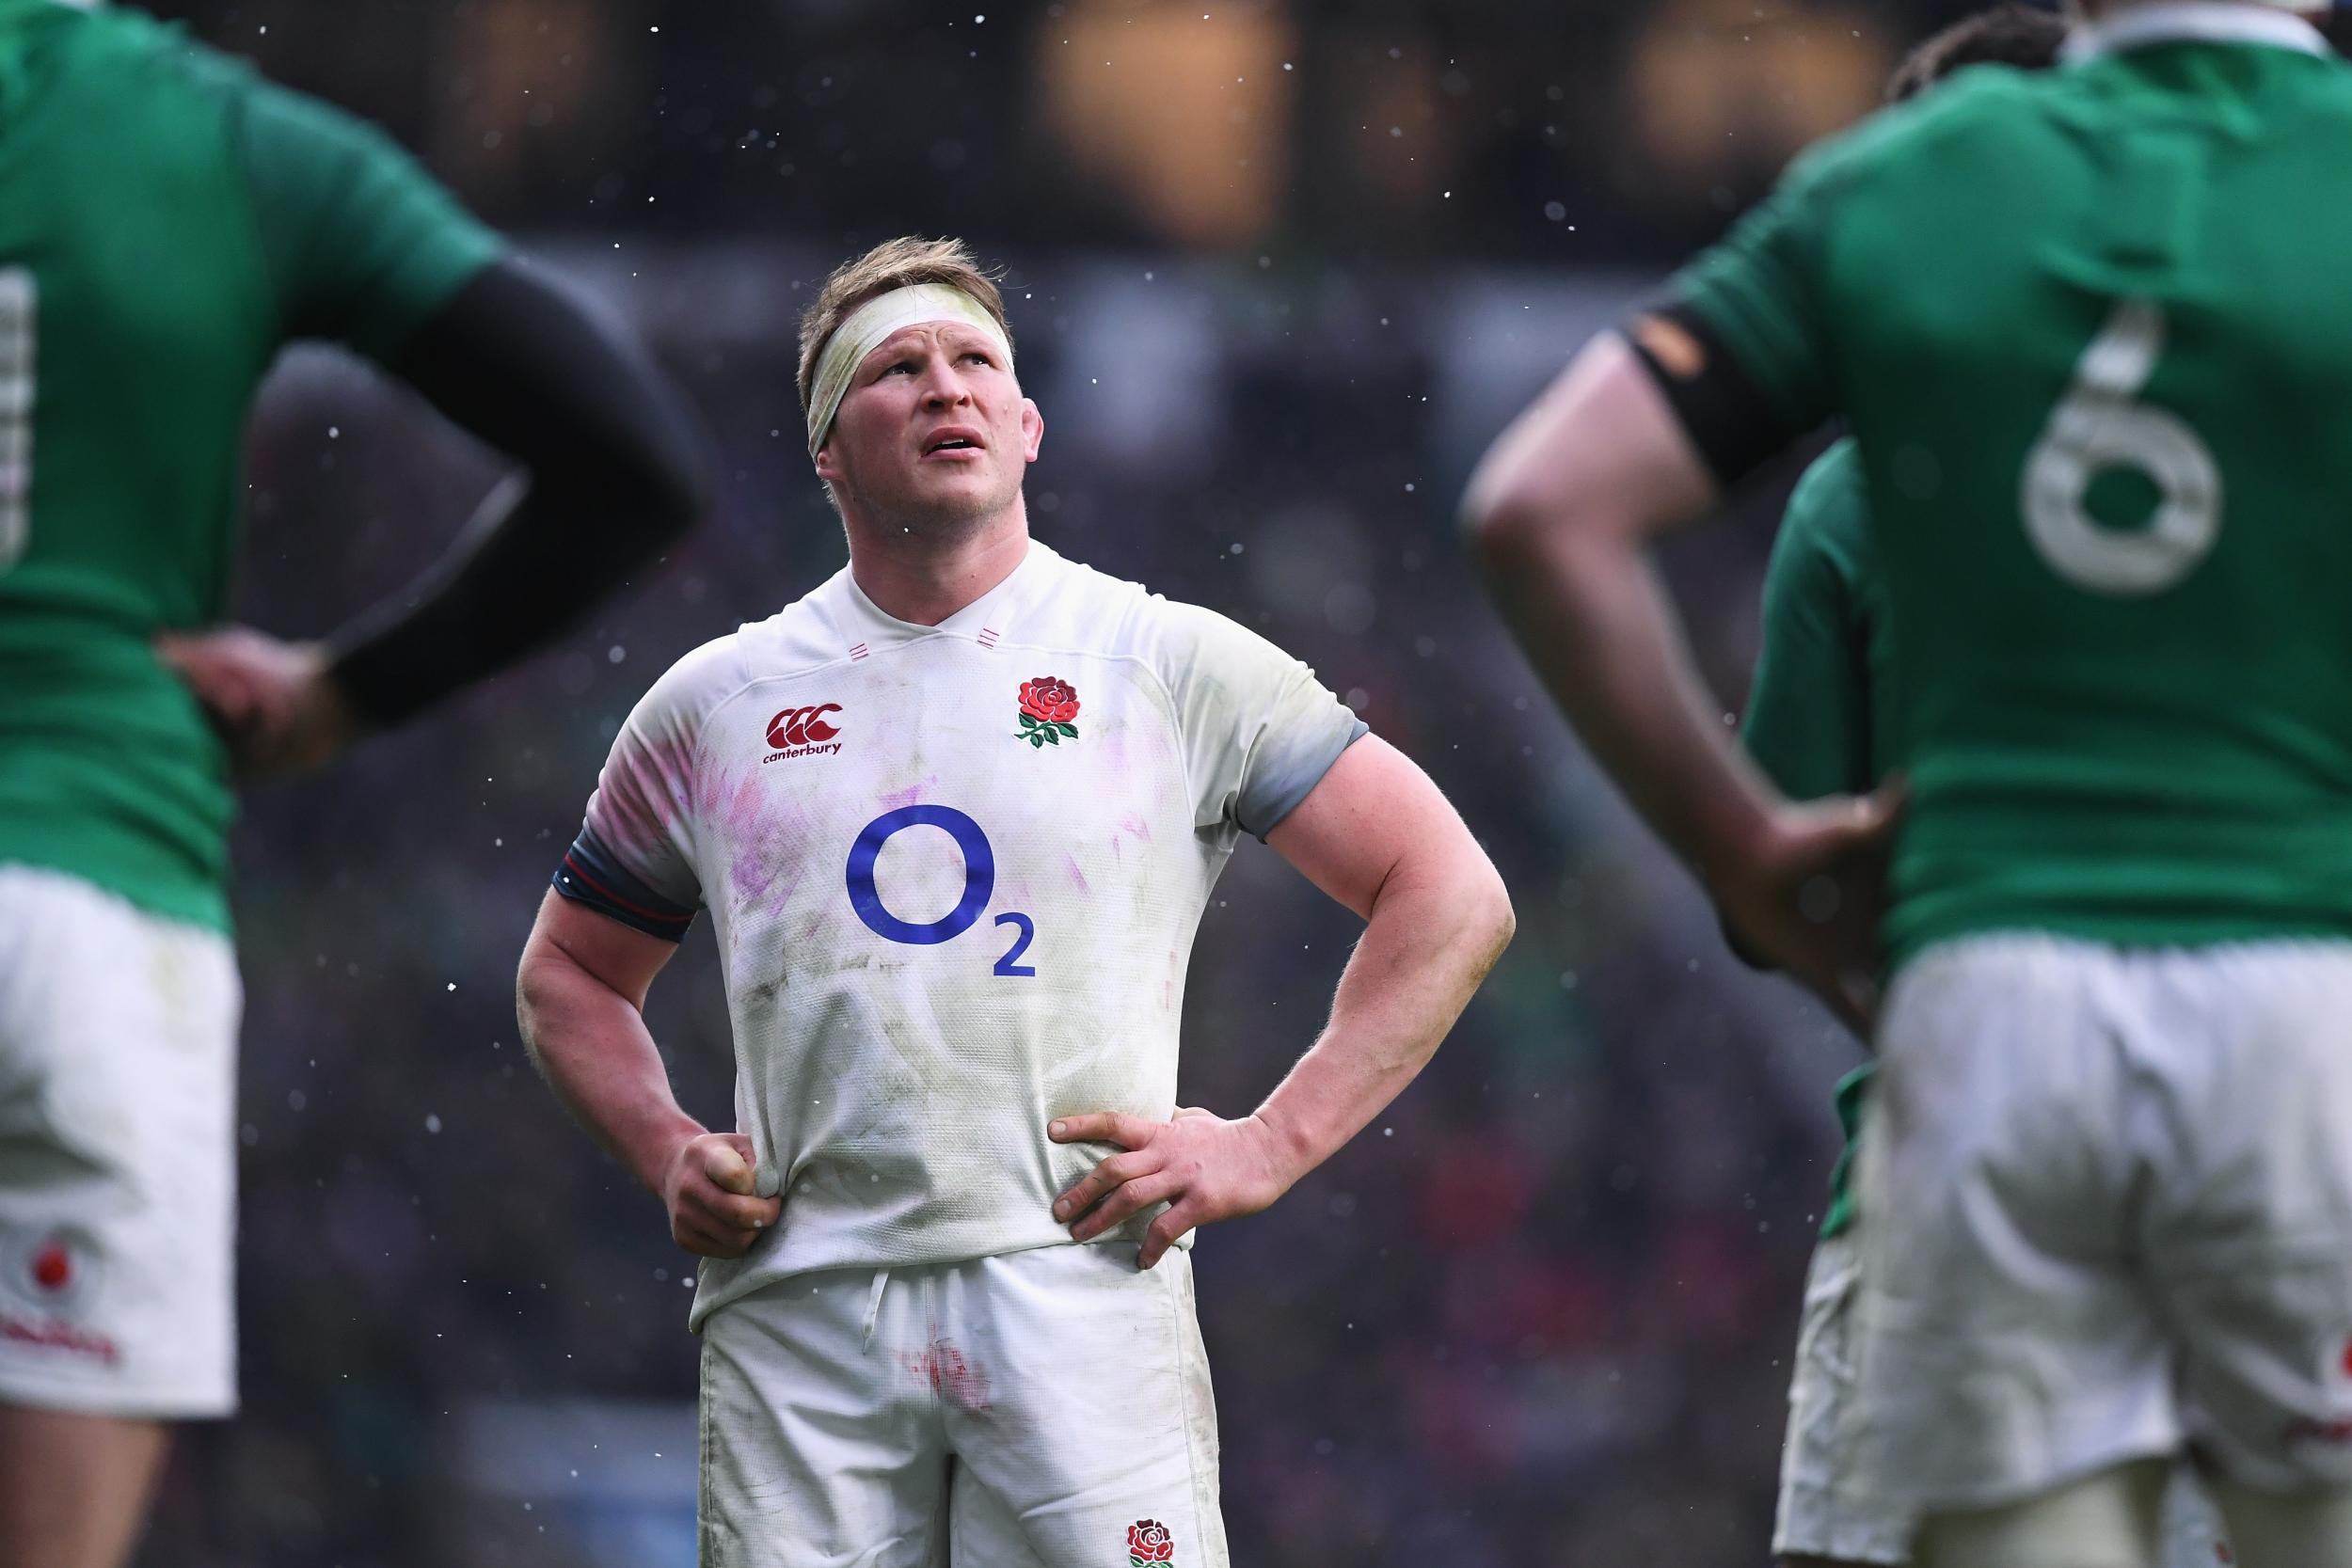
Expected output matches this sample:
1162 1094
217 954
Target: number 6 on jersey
2100 425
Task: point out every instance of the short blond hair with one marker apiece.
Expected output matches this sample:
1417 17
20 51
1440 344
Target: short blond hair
892 264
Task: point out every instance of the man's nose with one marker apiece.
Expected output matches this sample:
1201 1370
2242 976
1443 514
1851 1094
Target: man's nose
944 389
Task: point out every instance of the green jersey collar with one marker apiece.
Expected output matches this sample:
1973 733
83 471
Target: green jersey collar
2194 22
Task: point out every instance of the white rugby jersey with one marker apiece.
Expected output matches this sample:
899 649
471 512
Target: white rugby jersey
955 873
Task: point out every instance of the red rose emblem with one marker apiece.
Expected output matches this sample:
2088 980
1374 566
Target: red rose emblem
1147 1541
1048 704
1049 699
53 1267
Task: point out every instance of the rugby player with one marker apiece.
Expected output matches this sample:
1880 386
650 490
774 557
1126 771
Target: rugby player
956 815
1822 677
2087 331
171 220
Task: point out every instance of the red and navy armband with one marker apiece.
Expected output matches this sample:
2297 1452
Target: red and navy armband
1727 417
591 876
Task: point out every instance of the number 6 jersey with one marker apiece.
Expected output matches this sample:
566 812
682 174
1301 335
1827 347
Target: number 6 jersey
954 873
2093 330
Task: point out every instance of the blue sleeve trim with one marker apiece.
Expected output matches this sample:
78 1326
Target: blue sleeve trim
1275 798
591 876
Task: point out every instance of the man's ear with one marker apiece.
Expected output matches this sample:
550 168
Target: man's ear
827 466
1032 430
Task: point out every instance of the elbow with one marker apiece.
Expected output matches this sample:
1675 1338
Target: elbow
539 984
530 995
1500 523
667 482
1519 538
1480 921
1492 918
640 475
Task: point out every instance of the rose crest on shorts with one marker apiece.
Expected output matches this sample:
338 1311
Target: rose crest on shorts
1149 1542
1048 704
56 1271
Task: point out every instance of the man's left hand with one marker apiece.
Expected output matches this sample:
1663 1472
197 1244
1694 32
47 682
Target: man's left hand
276 703
1204 1167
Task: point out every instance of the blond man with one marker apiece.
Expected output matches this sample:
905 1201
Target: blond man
956 816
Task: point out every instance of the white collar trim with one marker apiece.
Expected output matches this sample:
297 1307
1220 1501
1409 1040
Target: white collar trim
2194 22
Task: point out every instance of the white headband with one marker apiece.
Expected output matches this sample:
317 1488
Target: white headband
872 324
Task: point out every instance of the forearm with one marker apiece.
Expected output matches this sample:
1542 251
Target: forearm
1561 510
1596 626
524 571
1433 933
591 1044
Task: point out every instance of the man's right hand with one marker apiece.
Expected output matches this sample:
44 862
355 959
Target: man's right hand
711 1190
1808 897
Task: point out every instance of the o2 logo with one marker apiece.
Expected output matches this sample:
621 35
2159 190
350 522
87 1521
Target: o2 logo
979 881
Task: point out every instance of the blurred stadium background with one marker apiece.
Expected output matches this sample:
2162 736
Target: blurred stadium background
1277 271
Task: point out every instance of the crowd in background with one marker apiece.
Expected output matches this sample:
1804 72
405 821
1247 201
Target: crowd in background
1434 130
1541 1312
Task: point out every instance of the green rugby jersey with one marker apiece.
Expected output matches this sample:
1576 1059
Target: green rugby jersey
1822 683
168 221
2091 330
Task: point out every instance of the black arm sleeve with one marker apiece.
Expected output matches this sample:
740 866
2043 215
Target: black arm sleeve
1727 417
615 468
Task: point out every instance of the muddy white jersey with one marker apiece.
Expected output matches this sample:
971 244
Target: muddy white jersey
954 872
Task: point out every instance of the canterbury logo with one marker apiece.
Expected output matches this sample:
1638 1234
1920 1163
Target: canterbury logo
799 732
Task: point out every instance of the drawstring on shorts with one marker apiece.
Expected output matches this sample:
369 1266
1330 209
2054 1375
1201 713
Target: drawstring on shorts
873 1308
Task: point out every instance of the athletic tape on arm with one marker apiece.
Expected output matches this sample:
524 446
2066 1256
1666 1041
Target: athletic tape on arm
870 326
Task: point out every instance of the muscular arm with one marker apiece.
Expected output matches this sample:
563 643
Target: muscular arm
1562 510
579 994
610 470
1378 836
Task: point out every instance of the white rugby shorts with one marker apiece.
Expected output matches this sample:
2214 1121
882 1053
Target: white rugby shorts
1825 1509
2107 1199
1041 1409
118 1159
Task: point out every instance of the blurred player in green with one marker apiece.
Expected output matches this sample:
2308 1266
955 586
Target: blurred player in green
2090 331
1816 723
170 221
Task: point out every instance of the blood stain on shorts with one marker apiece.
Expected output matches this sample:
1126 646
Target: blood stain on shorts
951 1375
